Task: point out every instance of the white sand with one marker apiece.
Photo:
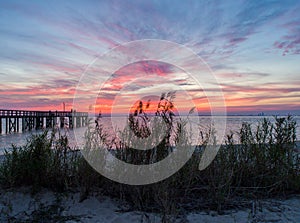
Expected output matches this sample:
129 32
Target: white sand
46 206
285 211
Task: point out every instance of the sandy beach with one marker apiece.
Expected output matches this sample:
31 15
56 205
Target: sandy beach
46 206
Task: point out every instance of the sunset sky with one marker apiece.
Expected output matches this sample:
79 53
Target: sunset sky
252 48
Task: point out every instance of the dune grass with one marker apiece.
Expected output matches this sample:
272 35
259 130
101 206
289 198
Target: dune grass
262 163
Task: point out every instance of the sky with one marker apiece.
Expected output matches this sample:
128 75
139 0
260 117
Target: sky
252 49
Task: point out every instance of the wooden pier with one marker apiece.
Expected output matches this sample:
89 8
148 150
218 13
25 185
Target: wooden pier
21 121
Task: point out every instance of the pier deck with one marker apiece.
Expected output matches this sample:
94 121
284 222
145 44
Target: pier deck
22 120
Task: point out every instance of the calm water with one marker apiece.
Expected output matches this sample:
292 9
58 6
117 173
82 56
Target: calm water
233 123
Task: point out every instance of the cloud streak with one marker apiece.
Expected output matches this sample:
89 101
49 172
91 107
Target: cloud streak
46 47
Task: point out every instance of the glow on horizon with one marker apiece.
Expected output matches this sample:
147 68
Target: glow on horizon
253 47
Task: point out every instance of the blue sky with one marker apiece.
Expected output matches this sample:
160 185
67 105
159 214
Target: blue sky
253 47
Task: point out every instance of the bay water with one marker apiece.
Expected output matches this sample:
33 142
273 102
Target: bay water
197 123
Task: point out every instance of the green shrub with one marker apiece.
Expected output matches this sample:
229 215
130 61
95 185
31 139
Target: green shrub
45 161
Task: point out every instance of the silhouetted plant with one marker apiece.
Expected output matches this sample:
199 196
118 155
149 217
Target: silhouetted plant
262 161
